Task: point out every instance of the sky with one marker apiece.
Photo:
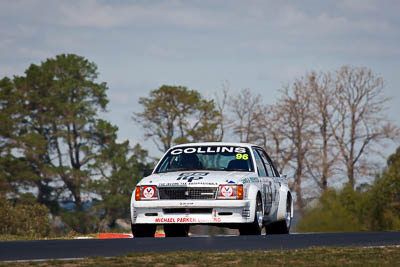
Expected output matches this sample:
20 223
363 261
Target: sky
258 44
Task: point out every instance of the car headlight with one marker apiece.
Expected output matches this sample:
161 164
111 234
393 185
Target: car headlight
230 192
146 192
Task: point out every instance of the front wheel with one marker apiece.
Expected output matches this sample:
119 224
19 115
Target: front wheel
143 230
256 226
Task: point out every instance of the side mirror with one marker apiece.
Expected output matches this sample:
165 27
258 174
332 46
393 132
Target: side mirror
147 172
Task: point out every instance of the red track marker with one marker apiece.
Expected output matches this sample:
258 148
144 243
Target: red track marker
111 235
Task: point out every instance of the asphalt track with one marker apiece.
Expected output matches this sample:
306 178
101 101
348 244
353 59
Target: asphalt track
67 249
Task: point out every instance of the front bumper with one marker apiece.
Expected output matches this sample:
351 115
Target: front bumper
191 211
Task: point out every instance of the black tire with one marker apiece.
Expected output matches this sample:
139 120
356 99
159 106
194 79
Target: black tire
176 230
282 227
143 230
256 226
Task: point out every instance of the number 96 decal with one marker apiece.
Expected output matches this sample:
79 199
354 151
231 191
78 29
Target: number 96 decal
242 156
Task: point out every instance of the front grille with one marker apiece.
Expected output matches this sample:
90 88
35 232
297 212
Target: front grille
187 192
188 211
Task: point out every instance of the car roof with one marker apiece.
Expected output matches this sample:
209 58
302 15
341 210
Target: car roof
215 144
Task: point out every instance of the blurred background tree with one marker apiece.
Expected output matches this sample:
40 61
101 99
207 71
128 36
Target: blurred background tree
24 218
385 197
174 114
119 168
376 208
53 142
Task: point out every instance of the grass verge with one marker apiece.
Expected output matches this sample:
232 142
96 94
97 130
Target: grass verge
25 238
316 256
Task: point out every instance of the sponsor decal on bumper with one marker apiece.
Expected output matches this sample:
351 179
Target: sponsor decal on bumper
186 220
180 212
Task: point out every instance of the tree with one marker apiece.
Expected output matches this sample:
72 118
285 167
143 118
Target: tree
175 114
221 105
272 139
7 106
385 197
16 171
247 112
7 131
60 99
323 154
254 122
119 168
361 123
376 208
336 211
294 119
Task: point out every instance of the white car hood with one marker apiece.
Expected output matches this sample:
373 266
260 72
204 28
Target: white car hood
196 178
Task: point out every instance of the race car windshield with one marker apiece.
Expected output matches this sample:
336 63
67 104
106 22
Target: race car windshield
217 158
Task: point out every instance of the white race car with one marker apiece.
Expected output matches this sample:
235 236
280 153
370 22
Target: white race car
233 185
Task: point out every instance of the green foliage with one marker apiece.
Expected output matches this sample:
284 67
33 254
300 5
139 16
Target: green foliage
385 197
335 212
175 114
120 167
376 209
52 141
49 127
63 100
24 219
9 164
79 221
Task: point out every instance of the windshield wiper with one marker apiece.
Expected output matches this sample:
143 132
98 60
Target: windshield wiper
214 169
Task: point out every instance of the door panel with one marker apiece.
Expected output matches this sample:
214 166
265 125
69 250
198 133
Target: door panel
273 180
